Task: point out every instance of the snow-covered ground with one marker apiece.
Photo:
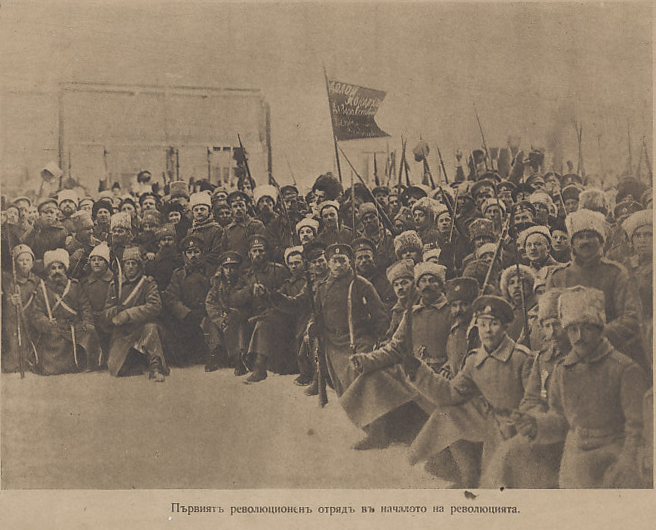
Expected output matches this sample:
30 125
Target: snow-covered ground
196 430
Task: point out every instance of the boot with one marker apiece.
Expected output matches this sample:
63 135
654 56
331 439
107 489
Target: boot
156 370
467 456
215 360
376 437
259 370
313 389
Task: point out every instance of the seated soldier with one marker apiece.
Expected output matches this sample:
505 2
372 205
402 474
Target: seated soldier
226 306
184 301
595 402
62 316
97 288
130 315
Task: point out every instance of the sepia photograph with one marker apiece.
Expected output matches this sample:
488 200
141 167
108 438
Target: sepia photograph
336 253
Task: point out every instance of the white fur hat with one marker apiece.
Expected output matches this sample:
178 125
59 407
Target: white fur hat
121 219
403 268
265 190
636 220
308 221
202 197
67 195
58 255
101 250
326 204
593 199
511 272
428 267
581 220
548 304
582 305
537 229
293 250
431 253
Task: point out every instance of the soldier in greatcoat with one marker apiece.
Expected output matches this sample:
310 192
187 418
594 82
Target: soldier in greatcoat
595 402
131 316
62 316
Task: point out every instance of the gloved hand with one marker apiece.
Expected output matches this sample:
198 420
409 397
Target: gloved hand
88 328
15 299
53 326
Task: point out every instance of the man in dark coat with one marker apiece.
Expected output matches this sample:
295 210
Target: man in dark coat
81 245
272 333
332 231
207 229
167 259
184 301
373 230
48 233
237 234
277 232
366 266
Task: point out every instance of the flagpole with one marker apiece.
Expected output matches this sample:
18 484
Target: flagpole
332 123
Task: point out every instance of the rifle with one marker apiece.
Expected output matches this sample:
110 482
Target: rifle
386 221
319 354
497 252
526 338
439 153
248 169
290 170
19 312
453 219
480 128
649 168
376 179
402 162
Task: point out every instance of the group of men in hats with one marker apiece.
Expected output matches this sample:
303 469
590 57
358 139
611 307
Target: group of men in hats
500 326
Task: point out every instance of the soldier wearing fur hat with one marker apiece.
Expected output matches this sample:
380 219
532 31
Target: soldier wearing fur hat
227 309
373 230
402 278
48 233
517 463
237 234
516 286
639 230
587 232
67 203
101 215
17 297
66 339
460 294
326 188
277 231
151 220
184 304
570 196
206 228
81 244
130 315
332 231
364 251
408 245
595 401
423 214
536 242
560 248
120 237
271 330
167 258
474 406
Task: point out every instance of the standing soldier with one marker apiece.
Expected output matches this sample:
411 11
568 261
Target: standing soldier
68 206
332 231
237 234
461 293
48 233
184 300
474 405
121 236
378 234
206 228
101 215
401 276
130 314
277 232
81 245
167 259
18 295
366 266
595 401
587 231
63 318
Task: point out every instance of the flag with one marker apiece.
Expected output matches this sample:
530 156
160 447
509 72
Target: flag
353 109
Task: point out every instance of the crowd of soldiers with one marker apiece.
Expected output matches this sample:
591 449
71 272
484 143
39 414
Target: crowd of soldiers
500 325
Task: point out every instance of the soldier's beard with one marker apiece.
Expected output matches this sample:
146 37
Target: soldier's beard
58 278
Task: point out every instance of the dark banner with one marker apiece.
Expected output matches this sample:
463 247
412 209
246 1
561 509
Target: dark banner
353 109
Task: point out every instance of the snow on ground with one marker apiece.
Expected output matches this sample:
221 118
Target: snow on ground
196 430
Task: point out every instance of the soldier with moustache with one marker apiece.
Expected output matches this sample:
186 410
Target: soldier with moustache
366 266
382 238
167 258
130 316
588 268
66 340
81 245
47 233
206 229
402 278
237 234
463 337
277 232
